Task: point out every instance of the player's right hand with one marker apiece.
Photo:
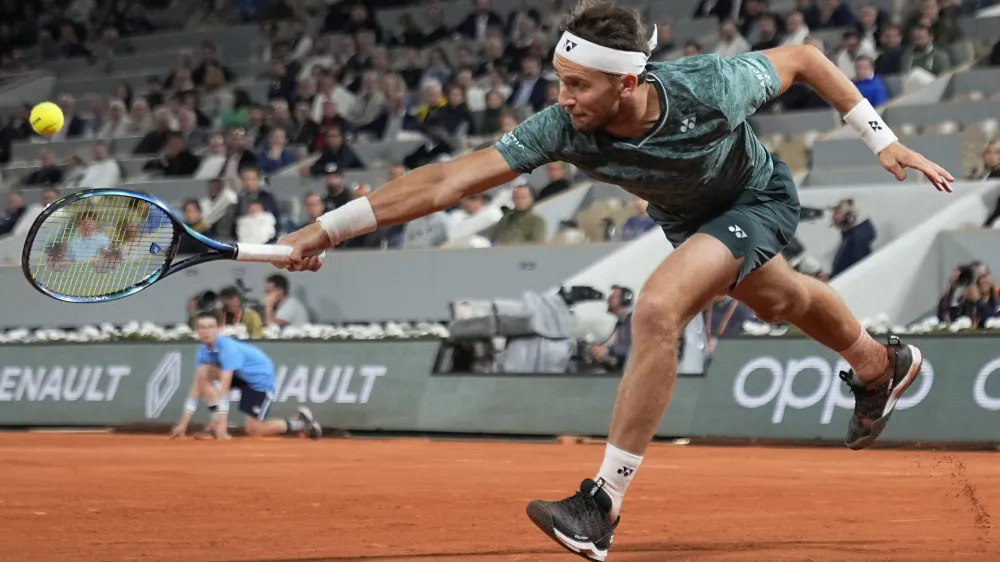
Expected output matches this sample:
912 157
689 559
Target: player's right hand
312 239
178 431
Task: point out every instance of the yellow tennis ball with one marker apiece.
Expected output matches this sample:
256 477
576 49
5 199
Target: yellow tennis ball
46 118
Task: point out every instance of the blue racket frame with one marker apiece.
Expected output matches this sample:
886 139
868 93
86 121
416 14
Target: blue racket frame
222 251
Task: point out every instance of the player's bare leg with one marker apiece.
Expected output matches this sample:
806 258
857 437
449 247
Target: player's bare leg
879 373
301 423
684 284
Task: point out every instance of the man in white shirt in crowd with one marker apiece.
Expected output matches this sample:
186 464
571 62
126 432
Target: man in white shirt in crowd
851 49
103 172
279 307
731 43
472 216
329 89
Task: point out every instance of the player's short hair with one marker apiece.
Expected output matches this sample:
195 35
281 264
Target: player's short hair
206 314
279 281
609 25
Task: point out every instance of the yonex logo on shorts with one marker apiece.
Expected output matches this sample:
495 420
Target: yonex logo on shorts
737 231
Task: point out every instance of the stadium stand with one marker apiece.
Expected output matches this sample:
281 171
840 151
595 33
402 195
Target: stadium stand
328 102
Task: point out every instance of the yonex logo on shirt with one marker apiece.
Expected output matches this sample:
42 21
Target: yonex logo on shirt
737 231
687 124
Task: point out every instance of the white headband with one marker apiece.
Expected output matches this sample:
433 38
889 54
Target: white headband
605 59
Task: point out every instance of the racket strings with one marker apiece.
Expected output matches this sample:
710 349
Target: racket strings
99 246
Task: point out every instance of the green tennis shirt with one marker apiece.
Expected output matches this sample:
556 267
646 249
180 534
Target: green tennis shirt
699 156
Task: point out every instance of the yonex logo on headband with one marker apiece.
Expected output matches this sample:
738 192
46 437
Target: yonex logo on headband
598 57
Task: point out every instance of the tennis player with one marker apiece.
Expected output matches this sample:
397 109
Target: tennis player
235 364
674 134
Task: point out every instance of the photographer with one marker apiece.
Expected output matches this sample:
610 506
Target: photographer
614 356
857 235
233 311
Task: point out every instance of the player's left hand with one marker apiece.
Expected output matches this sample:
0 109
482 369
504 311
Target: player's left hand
896 158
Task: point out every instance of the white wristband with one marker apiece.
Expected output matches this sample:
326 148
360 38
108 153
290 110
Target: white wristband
869 125
353 219
223 406
191 405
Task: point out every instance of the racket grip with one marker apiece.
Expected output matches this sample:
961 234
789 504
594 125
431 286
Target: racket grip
268 253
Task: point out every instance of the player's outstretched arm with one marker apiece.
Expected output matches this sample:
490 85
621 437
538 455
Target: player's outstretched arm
423 191
807 64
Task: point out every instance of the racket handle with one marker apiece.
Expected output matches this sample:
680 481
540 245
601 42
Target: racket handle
268 253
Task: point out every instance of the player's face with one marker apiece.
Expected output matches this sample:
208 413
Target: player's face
208 329
590 97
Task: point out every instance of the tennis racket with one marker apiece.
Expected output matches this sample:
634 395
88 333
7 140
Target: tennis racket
100 245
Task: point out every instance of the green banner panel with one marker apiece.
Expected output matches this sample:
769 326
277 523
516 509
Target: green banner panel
790 389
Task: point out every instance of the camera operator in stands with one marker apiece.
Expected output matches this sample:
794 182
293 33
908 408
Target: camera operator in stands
857 235
613 354
971 293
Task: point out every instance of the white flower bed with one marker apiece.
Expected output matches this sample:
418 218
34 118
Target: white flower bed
880 326
147 331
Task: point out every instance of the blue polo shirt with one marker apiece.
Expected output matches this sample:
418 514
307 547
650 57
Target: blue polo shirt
246 361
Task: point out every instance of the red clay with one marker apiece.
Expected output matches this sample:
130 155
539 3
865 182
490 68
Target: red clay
114 497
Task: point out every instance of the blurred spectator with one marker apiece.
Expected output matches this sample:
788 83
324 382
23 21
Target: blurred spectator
283 83
12 212
235 313
103 172
408 34
521 225
187 124
216 96
305 130
258 226
117 123
48 174
942 22
314 207
870 85
175 160
972 293
557 180
850 49
280 308
337 193
438 68
474 26
210 59
194 219
331 120
214 160
454 119
719 9
428 231
258 130
614 354
253 191
640 222
74 125
731 43
239 157
751 11
87 240
664 42
891 60
237 115
336 156
276 155
692 48
856 236
796 30
370 101
140 121
869 26
923 53
330 90
433 98
393 120
529 89
991 160
834 13
767 33
219 209
155 140
472 216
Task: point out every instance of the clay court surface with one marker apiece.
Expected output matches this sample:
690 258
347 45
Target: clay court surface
121 497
